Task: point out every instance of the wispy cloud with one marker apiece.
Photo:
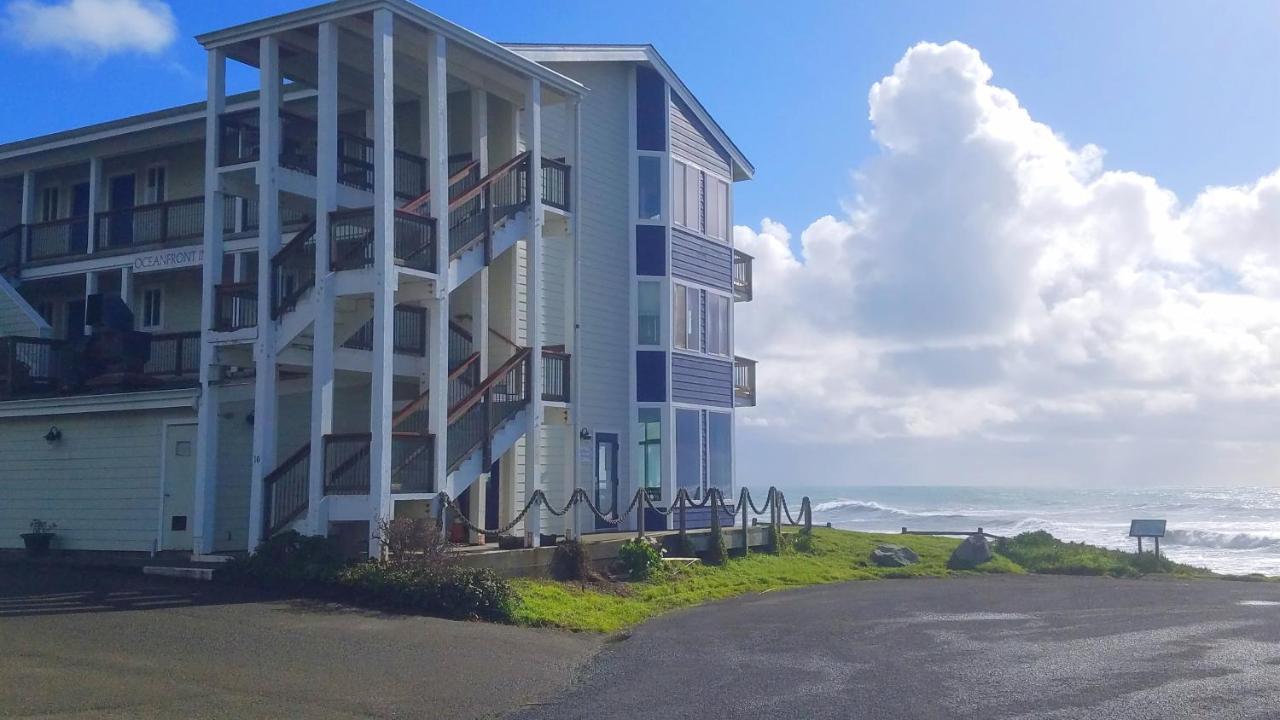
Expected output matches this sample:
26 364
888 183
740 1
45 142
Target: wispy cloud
92 28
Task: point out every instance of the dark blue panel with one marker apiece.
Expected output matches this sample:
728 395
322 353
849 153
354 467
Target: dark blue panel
703 261
701 380
651 110
651 376
651 250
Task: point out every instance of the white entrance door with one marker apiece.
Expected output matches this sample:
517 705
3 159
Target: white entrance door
179 487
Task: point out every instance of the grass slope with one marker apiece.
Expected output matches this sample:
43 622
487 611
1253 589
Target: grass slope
1040 552
836 556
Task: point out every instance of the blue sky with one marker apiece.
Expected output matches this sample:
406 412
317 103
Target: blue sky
1166 88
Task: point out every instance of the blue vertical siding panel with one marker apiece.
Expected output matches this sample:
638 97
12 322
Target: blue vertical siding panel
701 380
651 250
651 376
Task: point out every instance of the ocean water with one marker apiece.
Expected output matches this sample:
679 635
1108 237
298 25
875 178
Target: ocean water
1229 530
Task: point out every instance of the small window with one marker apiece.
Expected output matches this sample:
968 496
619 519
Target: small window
49 204
718 325
649 310
685 312
156 184
649 188
717 210
649 430
152 308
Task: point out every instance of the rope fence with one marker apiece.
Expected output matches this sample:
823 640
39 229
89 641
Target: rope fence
775 505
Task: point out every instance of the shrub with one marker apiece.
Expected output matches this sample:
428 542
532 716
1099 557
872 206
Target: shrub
418 540
803 543
288 560
1040 552
640 558
449 591
571 562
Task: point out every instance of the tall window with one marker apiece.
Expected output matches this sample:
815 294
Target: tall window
685 313
699 201
156 184
49 204
689 451
720 451
649 430
649 188
152 308
717 208
718 325
649 309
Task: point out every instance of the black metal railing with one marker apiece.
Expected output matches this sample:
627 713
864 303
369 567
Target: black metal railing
555 375
293 271
346 463
555 183
412 463
174 355
742 283
285 491
288 216
159 223
475 214
499 397
30 366
409 330
744 381
235 306
62 238
351 240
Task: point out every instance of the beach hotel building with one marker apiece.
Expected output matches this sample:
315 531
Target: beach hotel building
413 261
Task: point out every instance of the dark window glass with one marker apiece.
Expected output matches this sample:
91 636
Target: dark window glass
689 452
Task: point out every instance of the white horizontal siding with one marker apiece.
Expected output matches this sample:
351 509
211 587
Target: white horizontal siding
17 317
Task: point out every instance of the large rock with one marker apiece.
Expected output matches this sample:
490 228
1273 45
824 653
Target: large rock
971 553
894 556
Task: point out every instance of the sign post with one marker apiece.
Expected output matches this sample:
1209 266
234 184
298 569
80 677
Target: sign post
1153 529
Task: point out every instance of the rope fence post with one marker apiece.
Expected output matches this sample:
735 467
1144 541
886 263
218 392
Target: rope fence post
807 509
681 500
573 516
638 500
774 497
744 499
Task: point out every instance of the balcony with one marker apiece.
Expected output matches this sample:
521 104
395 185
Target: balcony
744 382
555 375
235 306
166 223
742 284
41 367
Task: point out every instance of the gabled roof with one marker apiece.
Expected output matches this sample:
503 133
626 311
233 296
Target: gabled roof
544 53
404 8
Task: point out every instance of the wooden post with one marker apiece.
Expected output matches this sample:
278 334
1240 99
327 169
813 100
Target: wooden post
807 508
746 531
1139 544
639 501
681 500
1157 541
776 496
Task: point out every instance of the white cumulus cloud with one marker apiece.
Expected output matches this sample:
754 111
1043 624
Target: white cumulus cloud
991 282
93 28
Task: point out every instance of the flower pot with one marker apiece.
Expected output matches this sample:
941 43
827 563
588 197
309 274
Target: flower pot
37 543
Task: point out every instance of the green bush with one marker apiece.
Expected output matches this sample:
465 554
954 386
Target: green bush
1040 552
803 543
288 560
640 558
449 591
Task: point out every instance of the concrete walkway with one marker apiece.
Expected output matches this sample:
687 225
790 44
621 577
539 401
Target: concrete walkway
1031 648
77 644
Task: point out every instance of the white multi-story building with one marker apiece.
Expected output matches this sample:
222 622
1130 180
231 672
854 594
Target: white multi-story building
228 318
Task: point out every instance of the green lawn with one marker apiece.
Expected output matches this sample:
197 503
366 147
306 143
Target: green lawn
836 556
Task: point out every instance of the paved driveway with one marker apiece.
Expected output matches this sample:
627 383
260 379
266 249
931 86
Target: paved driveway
1041 648
108 645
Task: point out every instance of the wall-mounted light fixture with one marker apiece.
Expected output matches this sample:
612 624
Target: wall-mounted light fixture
54 435
585 434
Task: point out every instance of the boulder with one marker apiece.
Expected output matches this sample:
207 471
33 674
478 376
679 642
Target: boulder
971 553
894 556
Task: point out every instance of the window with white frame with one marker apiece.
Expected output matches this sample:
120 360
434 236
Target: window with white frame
686 310
720 451
649 187
156 184
688 448
152 308
718 325
699 201
649 313
49 204
649 430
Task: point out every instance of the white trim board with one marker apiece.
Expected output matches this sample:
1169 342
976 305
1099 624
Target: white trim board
184 398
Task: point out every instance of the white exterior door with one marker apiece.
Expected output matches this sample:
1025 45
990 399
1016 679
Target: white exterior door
179 487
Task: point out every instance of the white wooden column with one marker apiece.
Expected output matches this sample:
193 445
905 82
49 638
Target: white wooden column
28 208
90 288
581 516
126 287
384 292
266 382
211 275
533 303
95 189
480 300
438 173
323 332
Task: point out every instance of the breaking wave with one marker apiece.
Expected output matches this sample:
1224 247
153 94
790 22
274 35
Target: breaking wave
1228 541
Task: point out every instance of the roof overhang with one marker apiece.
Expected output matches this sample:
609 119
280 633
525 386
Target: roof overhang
403 8
543 53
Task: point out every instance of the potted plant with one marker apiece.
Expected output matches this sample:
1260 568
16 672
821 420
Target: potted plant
40 538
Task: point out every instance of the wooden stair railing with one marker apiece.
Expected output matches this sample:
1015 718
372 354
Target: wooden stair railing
284 491
473 419
293 271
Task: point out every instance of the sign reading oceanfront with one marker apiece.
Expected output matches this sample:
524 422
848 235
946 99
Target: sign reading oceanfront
169 259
